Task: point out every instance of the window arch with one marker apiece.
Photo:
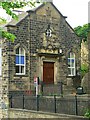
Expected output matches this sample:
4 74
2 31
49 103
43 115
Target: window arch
20 61
71 64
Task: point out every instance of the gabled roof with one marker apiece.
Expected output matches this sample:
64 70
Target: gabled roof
14 22
21 16
41 5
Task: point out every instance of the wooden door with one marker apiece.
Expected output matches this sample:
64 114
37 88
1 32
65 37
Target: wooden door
48 72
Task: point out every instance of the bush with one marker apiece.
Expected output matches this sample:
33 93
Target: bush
84 69
87 114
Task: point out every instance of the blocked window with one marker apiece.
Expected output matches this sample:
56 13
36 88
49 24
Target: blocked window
71 64
20 61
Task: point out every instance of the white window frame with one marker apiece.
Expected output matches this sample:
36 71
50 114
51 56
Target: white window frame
20 65
72 66
0 61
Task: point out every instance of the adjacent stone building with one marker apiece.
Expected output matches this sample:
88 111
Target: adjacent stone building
45 47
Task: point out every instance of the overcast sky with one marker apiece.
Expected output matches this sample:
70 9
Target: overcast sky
75 10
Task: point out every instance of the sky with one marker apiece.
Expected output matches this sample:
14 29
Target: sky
75 10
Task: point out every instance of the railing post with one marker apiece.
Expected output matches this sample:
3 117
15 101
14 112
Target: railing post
23 103
37 102
76 103
42 87
55 109
11 106
61 89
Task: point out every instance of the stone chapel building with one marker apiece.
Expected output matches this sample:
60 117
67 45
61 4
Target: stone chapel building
46 46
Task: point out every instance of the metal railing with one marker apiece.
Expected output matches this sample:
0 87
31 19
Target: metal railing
73 105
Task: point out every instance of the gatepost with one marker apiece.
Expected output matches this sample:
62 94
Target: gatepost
36 84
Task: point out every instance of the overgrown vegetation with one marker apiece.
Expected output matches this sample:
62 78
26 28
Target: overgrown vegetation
2 21
82 31
84 69
87 114
8 7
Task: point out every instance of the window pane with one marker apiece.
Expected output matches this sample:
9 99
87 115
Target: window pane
68 62
73 71
72 60
69 71
22 69
17 69
17 51
21 51
22 59
72 65
17 60
72 55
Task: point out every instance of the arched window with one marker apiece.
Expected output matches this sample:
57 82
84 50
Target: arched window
71 64
20 61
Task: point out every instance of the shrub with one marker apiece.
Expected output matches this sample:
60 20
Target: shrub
87 114
84 69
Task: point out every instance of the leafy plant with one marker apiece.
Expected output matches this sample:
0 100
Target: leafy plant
8 7
87 114
82 31
84 69
7 35
2 21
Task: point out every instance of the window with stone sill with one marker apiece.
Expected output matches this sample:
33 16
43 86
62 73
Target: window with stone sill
0 61
20 61
71 64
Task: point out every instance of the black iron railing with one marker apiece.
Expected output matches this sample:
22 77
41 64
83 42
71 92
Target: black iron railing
73 105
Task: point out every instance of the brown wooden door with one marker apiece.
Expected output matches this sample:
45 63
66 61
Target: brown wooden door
48 72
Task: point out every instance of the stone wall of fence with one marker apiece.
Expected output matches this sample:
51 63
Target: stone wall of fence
20 113
73 105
